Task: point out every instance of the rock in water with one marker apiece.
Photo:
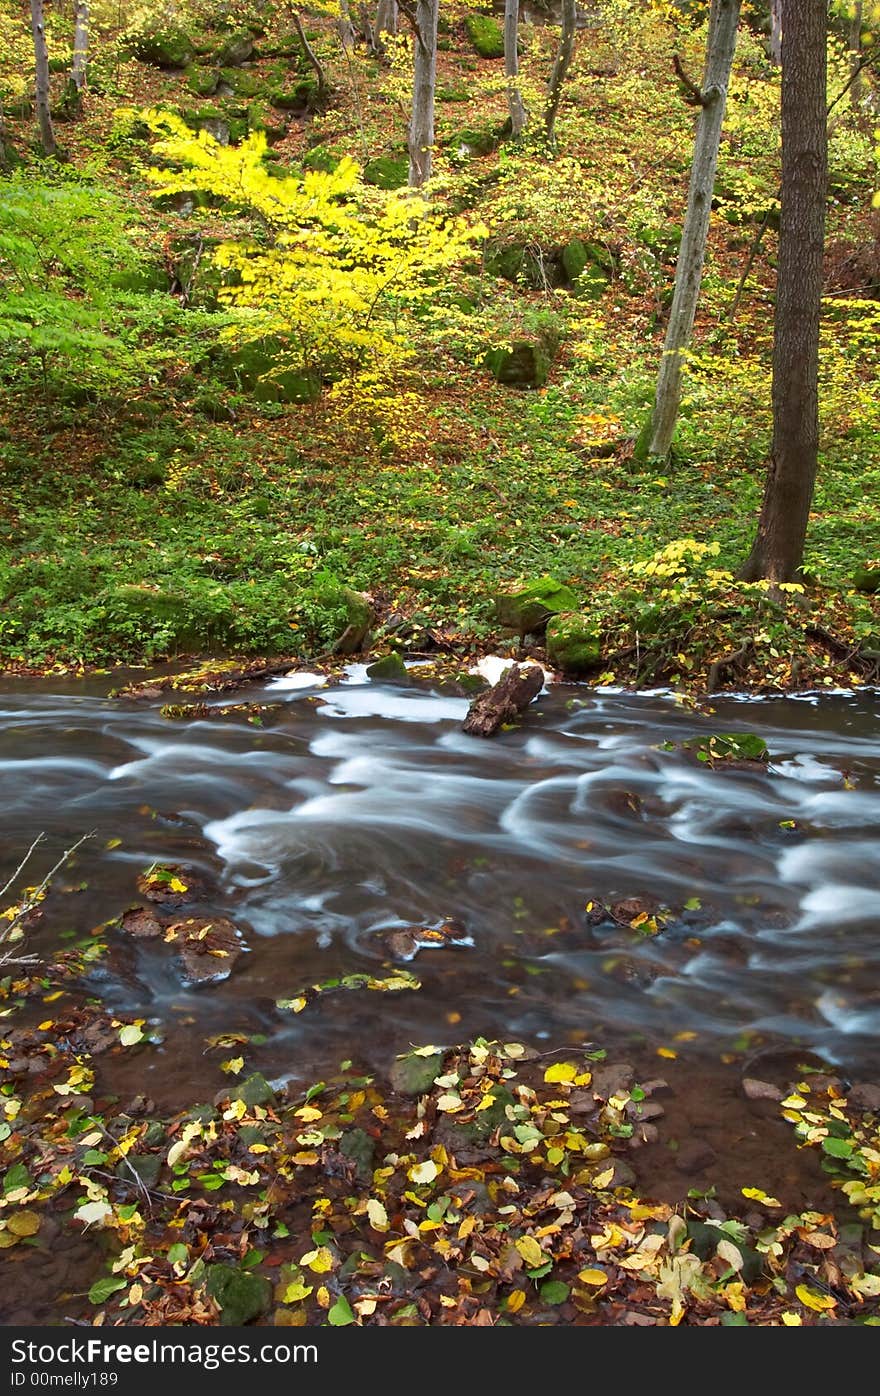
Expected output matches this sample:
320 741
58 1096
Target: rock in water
513 692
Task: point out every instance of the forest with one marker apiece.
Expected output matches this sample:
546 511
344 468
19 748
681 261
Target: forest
377 377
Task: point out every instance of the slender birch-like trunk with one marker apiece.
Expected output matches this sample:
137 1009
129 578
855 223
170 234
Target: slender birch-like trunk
80 47
386 20
421 127
720 49
515 104
776 31
41 68
778 549
560 68
856 90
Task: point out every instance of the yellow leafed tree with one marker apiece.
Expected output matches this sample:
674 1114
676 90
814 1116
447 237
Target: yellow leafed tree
335 267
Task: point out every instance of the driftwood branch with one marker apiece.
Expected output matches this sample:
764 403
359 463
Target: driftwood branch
512 693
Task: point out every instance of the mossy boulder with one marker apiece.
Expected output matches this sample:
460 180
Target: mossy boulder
585 267
473 140
240 1294
304 95
166 48
485 34
867 579
530 265
212 120
389 669
574 643
203 82
524 364
255 1091
257 369
387 172
236 49
241 82
320 157
529 608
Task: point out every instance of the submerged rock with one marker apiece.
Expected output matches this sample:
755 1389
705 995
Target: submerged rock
208 948
405 942
241 1295
389 668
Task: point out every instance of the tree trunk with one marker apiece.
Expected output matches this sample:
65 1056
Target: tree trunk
515 104
41 64
782 527
345 28
421 127
776 31
560 68
80 46
856 89
386 20
5 147
720 49
310 56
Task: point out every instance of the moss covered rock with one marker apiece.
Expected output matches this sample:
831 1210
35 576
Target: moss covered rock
387 172
414 1074
389 669
242 83
868 579
473 140
166 48
320 157
240 1294
303 96
529 608
485 34
174 621
573 643
236 49
524 364
258 370
203 82
261 117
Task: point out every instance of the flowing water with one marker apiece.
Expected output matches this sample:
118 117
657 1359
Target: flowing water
358 808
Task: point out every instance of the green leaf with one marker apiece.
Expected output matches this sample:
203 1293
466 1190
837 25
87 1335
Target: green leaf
554 1292
102 1289
837 1148
178 1253
17 1177
341 1313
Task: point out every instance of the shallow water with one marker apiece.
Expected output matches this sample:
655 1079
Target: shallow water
360 807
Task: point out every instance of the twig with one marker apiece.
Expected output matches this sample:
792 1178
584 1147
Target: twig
692 94
22 865
28 905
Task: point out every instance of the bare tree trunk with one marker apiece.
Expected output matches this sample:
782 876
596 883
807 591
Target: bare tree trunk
41 64
515 104
6 153
386 20
345 28
421 127
856 88
712 96
776 31
311 57
80 46
782 527
560 68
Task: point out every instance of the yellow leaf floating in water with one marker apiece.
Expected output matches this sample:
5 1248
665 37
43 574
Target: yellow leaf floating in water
758 1195
561 1071
320 1260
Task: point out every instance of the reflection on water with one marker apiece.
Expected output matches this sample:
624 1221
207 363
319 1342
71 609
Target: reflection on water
361 807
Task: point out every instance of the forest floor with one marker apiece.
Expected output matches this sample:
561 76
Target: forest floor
192 518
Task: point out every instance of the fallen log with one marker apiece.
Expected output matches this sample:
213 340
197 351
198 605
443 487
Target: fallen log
512 693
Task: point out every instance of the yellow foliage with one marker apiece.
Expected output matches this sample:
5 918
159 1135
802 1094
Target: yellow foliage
343 264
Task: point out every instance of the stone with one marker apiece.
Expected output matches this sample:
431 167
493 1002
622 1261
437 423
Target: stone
864 1096
303 96
611 1079
235 50
240 1294
255 1091
694 1156
166 48
485 34
356 1144
147 1167
754 1089
254 369
868 579
141 923
523 365
574 643
472 140
208 948
390 668
414 1075
528 609
387 172
260 117
242 83
203 82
